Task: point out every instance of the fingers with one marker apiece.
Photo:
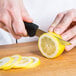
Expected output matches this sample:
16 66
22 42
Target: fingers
4 20
25 15
74 20
73 42
10 29
69 33
64 23
17 22
56 21
12 17
5 23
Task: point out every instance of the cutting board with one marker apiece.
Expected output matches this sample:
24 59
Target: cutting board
64 65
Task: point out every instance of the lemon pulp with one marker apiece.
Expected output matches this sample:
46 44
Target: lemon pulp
4 62
47 45
23 63
35 62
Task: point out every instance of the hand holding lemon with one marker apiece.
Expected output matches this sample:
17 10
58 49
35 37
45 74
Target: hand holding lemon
65 25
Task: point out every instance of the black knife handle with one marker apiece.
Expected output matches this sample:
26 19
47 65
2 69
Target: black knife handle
31 28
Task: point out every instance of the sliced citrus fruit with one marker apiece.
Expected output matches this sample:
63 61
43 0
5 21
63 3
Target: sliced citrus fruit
16 59
25 61
5 61
50 46
35 62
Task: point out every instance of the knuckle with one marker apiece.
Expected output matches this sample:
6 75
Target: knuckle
70 13
18 32
1 17
74 29
2 20
73 10
4 17
75 37
11 9
60 15
58 27
8 26
23 11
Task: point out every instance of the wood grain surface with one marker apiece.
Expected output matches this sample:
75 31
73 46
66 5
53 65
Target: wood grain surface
64 65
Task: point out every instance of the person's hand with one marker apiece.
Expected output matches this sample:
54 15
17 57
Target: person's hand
12 15
62 25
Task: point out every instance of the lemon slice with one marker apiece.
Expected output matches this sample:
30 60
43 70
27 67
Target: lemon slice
50 46
25 61
16 59
35 62
5 61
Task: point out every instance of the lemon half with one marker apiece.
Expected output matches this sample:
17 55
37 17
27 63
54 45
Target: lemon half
50 46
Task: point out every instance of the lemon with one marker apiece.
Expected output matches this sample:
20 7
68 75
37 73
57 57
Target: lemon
5 62
23 63
50 46
35 62
16 59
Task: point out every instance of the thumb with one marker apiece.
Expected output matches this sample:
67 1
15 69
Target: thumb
26 17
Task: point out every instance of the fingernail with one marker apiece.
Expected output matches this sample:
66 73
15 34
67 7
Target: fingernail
64 37
50 29
68 48
57 30
25 33
30 18
18 37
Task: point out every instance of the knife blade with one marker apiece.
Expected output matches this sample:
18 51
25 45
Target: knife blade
33 30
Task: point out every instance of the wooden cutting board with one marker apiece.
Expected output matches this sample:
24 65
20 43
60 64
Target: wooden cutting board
64 65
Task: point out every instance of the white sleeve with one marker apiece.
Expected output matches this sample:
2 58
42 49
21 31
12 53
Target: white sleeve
6 38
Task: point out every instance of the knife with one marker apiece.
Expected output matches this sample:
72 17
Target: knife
33 29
